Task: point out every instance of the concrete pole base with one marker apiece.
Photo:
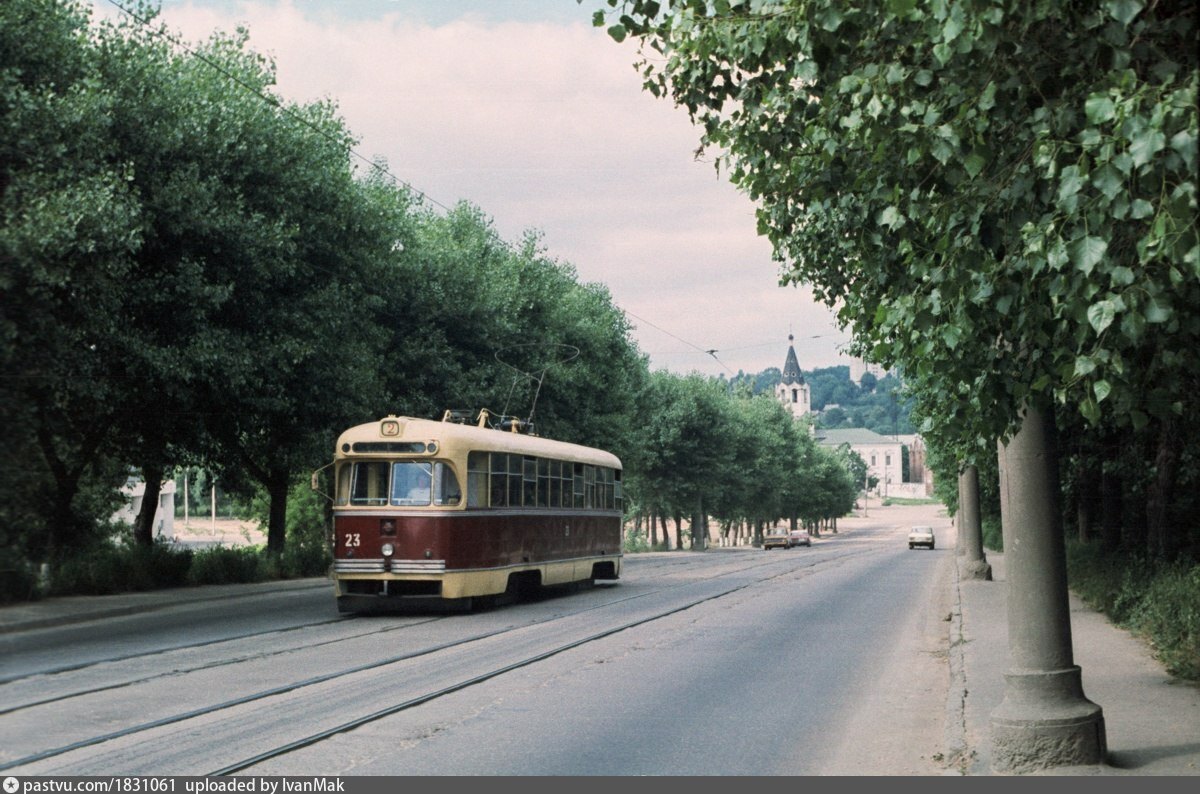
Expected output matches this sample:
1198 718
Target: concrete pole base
977 570
1046 721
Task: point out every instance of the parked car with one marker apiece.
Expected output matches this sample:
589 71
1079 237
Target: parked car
777 538
920 536
798 537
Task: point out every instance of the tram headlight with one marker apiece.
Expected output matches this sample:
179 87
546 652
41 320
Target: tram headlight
387 550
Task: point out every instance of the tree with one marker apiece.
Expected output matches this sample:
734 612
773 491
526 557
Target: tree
1026 229
687 444
999 198
70 220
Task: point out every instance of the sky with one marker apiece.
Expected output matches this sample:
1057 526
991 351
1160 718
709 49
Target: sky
525 110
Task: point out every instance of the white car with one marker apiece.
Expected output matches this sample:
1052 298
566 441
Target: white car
920 536
776 539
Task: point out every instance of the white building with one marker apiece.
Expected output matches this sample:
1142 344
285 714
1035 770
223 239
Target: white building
164 515
882 454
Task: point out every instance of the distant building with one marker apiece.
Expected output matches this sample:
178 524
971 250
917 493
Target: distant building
164 514
858 368
917 470
792 390
882 454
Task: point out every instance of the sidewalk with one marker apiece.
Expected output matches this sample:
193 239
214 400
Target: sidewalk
1152 722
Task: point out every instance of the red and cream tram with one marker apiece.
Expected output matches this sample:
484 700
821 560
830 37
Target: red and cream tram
451 511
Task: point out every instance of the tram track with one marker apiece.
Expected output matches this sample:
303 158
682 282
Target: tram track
13 702
79 755
177 671
72 667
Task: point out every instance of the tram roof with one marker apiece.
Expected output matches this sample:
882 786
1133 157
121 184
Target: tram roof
475 438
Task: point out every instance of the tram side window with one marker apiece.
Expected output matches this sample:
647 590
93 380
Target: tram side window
369 483
412 483
343 483
604 488
529 481
555 483
589 481
446 490
577 486
515 469
543 482
499 481
618 498
477 479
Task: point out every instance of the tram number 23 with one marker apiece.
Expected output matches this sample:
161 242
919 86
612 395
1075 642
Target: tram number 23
353 539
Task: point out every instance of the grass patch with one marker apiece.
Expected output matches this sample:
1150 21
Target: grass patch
898 500
1159 602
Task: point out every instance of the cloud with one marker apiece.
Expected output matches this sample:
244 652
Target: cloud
544 125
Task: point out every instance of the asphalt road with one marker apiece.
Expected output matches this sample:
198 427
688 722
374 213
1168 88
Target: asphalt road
810 661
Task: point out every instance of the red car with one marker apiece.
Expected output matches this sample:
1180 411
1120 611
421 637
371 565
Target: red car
798 537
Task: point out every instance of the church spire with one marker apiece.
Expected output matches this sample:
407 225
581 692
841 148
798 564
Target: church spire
792 391
791 367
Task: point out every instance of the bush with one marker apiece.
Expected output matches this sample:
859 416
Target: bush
18 579
1160 602
224 565
307 551
636 541
1169 616
110 568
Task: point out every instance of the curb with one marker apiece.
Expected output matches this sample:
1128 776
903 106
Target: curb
958 755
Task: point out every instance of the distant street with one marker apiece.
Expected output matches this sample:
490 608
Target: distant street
808 661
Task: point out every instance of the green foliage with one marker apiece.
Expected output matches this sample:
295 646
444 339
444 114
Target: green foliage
636 542
1158 601
307 552
991 529
226 565
998 197
120 568
18 578
737 457
880 404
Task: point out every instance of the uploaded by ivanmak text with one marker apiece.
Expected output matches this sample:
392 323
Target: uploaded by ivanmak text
172 785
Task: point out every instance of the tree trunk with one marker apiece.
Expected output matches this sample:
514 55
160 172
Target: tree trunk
1111 508
699 526
278 483
1161 541
143 524
1087 494
653 528
64 524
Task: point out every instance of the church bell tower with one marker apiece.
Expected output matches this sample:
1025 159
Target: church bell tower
792 391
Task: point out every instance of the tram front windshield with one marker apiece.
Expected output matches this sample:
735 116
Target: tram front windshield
399 483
